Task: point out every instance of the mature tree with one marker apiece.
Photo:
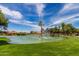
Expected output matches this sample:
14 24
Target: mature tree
67 28
3 21
70 28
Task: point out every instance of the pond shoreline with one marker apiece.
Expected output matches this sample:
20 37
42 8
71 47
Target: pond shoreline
31 39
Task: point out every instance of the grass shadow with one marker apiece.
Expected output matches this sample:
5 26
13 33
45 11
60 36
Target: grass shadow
3 42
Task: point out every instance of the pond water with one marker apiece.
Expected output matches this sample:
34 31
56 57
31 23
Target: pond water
30 39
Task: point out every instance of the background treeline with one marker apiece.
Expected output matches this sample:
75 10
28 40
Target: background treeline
63 29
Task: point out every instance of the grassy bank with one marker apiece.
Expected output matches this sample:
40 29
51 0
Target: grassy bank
4 41
67 47
3 38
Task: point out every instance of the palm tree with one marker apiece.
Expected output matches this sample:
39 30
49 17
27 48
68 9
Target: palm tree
41 26
62 25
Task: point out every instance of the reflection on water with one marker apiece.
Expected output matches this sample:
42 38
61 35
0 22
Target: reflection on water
29 39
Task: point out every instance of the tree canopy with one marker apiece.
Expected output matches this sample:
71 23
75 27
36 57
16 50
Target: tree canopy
3 21
63 28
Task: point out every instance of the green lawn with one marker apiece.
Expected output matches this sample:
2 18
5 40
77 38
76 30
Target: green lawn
3 38
67 47
3 41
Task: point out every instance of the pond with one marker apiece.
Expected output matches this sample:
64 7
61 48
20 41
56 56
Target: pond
30 39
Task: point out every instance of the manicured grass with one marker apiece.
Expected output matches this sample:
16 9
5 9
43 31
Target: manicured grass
67 47
3 38
4 41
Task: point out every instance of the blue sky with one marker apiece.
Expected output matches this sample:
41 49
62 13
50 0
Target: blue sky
25 17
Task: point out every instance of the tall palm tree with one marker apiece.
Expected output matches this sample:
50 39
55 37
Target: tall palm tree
41 26
63 25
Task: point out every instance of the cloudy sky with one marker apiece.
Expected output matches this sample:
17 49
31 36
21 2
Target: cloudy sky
25 17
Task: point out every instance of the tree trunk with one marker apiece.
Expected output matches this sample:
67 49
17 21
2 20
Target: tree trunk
41 31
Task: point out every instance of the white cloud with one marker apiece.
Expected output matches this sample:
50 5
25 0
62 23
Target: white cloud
57 22
40 7
65 8
66 19
17 14
68 7
25 22
36 29
13 13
